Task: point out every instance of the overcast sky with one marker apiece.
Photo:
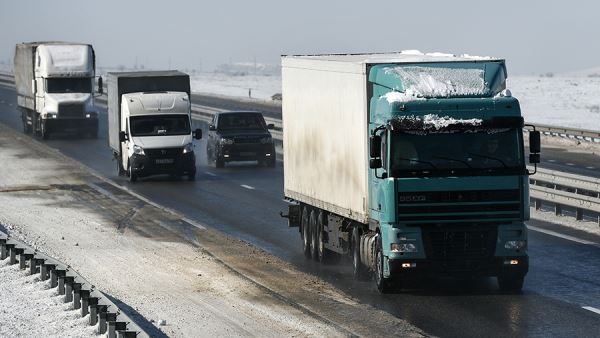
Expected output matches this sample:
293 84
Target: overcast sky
534 36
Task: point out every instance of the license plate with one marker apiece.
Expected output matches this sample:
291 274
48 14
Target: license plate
163 161
247 153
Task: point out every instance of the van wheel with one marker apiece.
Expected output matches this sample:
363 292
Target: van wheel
132 175
305 232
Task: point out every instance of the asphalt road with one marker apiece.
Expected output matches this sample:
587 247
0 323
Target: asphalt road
244 200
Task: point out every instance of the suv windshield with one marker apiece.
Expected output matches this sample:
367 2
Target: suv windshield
241 121
488 152
69 85
159 125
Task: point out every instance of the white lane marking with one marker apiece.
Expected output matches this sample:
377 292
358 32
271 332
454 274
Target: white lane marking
590 167
551 160
590 308
247 187
10 104
570 164
209 173
563 236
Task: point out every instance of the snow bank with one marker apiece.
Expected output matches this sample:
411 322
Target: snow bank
31 309
439 82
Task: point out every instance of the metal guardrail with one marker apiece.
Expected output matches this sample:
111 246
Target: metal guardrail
76 289
564 189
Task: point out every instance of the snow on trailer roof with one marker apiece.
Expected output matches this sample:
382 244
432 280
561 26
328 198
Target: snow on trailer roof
406 56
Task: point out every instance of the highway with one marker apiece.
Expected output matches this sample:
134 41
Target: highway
561 291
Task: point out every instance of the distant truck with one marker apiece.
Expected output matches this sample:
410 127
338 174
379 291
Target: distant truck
413 164
55 88
149 124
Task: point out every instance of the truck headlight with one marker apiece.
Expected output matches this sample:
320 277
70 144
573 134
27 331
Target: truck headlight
265 140
91 114
227 141
515 245
138 150
189 148
403 247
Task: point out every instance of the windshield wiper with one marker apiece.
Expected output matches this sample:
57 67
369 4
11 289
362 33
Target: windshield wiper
413 160
490 158
454 160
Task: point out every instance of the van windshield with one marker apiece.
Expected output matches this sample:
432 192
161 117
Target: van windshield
159 125
69 85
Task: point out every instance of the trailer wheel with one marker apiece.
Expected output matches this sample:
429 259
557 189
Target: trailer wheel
314 234
322 253
384 285
360 271
511 283
305 232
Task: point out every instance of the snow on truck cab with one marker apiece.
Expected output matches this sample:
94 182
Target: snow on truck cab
413 164
55 92
151 129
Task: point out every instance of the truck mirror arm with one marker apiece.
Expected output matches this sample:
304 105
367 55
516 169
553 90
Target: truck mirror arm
534 148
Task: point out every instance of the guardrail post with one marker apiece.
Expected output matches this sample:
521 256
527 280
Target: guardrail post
127 334
85 294
32 265
3 251
115 326
102 311
13 254
557 209
578 214
93 301
60 274
22 261
76 296
68 289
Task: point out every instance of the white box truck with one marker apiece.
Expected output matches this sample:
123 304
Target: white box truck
410 163
55 91
149 124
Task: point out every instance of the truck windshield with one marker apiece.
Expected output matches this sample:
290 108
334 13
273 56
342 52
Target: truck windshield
487 152
159 125
241 121
69 85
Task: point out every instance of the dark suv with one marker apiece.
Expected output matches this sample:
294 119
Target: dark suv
240 136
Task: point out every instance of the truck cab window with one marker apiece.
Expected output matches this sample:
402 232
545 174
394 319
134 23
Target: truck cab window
69 85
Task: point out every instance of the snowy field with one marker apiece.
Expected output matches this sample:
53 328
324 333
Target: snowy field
30 308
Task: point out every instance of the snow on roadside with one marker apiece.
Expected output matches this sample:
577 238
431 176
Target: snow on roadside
30 308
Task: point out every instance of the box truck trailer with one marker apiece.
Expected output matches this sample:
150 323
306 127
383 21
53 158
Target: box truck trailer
412 164
55 88
149 124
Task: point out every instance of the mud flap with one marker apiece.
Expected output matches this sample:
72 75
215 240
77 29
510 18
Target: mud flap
293 215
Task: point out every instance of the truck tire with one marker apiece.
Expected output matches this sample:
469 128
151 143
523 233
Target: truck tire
511 283
384 285
314 234
305 232
359 270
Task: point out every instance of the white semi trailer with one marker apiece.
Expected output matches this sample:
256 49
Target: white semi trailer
55 92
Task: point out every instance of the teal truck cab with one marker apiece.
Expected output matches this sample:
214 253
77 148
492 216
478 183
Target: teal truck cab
446 188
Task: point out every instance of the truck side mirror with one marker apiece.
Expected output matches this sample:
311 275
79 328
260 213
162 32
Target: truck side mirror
123 136
534 142
198 134
375 163
100 86
270 126
375 147
211 127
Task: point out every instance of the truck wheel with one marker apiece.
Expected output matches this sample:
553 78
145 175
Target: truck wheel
305 232
26 127
132 175
512 283
314 234
44 130
384 284
360 271
323 255
219 163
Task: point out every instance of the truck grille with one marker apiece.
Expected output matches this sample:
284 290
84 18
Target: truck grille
244 140
460 248
71 110
163 153
443 206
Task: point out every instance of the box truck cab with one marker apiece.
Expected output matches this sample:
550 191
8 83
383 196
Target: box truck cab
55 88
150 126
413 164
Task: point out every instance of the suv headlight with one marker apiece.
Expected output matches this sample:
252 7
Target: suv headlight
265 140
227 141
189 148
138 150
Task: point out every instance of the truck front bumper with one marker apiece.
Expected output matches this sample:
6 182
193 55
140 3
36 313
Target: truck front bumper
71 125
517 265
143 165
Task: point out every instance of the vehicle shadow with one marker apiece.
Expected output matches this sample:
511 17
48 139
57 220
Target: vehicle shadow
142 322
